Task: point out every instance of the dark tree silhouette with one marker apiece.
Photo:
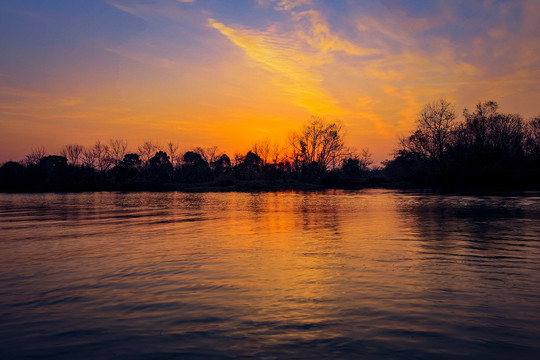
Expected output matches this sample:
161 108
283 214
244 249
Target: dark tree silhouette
208 154
222 165
490 140
250 167
73 153
117 150
351 167
131 160
194 169
432 138
192 158
320 144
160 159
146 150
487 149
35 155
159 168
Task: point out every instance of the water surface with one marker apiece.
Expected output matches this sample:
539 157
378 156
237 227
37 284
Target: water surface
337 274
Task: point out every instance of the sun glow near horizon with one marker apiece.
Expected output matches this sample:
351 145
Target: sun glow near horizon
230 74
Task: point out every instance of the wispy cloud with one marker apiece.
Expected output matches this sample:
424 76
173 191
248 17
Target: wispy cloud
316 32
283 56
294 56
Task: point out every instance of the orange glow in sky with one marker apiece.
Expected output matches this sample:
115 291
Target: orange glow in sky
231 73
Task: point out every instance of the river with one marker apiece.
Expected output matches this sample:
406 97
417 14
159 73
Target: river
372 274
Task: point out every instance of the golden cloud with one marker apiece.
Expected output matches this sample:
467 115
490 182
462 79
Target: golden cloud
294 57
284 57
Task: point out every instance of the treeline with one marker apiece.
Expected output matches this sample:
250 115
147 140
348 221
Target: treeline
487 149
314 155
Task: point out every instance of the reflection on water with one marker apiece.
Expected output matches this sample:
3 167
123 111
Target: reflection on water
364 274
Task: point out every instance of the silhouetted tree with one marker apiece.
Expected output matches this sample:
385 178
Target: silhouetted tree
365 159
117 150
131 160
88 157
160 168
126 173
319 144
276 155
488 149
491 139
172 149
351 167
73 153
192 158
51 173
252 160
262 150
432 138
237 159
208 154
102 156
146 150
35 155
221 165
160 159
250 166
195 168
97 157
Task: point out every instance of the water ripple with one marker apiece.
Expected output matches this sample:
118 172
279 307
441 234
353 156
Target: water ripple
336 274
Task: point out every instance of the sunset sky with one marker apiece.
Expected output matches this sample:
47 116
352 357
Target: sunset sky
230 72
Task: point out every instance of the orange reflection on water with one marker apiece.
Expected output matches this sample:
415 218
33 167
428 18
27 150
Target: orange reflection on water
257 272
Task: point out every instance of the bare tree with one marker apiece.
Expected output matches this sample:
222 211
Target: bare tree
208 154
276 152
417 143
72 153
435 123
319 142
36 153
97 156
365 159
491 133
433 137
262 149
172 150
238 158
476 126
147 150
88 157
117 149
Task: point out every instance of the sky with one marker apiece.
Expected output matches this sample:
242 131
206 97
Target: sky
231 73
